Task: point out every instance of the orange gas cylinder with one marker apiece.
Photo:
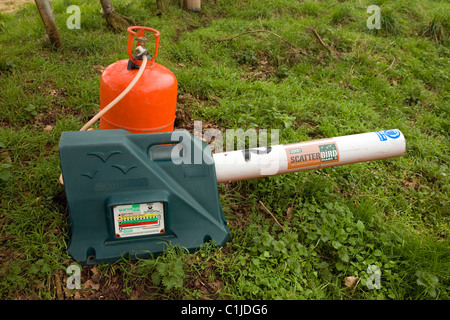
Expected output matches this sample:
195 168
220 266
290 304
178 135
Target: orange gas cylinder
151 104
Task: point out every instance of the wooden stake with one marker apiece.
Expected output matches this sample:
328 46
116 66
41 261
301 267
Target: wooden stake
45 10
194 5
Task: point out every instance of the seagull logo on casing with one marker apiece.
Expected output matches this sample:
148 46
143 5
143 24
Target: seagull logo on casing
103 155
123 168
91 174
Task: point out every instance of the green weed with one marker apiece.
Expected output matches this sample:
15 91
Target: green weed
438 27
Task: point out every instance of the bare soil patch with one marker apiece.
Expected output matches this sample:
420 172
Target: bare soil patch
12 5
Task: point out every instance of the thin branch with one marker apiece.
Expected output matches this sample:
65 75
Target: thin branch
390 66
255 31
267 210
266 31
317 36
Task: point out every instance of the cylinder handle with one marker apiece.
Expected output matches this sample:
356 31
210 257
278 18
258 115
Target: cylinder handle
141 41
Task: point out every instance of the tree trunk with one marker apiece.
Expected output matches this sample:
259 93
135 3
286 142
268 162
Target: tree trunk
115 20
45 10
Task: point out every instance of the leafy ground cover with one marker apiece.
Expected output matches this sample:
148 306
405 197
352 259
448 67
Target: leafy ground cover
376 230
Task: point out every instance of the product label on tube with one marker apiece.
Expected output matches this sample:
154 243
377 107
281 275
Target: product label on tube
309 154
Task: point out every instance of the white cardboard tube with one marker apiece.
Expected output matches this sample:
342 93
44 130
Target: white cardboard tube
309 155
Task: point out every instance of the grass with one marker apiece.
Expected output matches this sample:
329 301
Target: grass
392 214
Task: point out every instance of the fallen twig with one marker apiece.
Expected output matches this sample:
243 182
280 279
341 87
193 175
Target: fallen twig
390 66
255 31
317 36
58 287
267 210
266 31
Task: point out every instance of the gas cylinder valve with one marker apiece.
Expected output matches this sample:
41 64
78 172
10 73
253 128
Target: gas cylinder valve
141 50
